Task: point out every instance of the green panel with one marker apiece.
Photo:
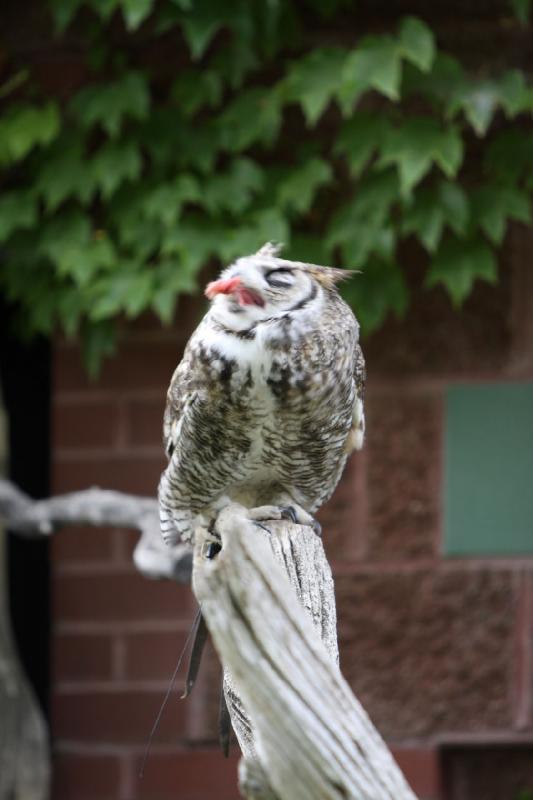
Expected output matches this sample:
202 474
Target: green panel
488 493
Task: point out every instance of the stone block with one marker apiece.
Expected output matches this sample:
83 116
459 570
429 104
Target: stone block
403 454
430 652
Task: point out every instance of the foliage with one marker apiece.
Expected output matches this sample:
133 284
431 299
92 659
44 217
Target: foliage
113 201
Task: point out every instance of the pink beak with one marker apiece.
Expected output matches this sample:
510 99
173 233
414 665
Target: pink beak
245 296
222 286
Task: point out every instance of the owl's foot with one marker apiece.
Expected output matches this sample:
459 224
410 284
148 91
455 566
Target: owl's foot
300 516
265 513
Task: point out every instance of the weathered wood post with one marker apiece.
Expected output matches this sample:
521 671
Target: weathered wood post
268 600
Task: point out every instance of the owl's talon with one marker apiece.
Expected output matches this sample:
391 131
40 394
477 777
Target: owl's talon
317 527
263 527
211 549
298 515
289 513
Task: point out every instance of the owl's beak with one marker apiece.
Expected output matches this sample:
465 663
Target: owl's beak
222 286
245 295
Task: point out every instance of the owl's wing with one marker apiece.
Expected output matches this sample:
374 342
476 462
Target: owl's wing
357 431
179 395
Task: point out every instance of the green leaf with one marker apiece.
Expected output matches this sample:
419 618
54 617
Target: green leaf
254 116
430 210
165 202
71 304
194 240
128 288
479 100
298 189
444 82
194 90
172 277
309 248
522 10
417 145
267 225
234 189
375 64
75 250
459 263
64 174
64 12
98 341
25 127
18 209
362 227
313 81
510 155
64 237
204 18
378 290
492 206
359 138
135 12
417 43
115 163
108 104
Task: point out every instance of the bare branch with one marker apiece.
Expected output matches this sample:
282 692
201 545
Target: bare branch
310 737
99 507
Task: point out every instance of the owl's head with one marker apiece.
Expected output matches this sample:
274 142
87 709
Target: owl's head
263 286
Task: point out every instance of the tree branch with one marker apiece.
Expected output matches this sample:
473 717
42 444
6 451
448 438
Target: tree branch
306 736
99 507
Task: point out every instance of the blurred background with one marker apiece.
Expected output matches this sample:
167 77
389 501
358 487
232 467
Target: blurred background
142 145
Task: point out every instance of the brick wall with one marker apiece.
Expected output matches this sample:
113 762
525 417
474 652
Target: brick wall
439 651
116 635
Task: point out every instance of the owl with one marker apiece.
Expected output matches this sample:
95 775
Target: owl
267 402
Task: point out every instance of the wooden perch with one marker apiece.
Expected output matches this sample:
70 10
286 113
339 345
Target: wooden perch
268 601
99 507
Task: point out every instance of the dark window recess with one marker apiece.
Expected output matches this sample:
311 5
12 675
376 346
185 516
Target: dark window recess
25 382
488 501
488 773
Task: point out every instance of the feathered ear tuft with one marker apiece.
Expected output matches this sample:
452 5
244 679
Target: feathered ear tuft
330 276
271 249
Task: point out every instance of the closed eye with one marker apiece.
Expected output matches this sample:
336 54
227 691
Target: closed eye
279 277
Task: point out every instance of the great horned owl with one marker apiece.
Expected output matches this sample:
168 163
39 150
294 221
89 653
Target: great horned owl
267 402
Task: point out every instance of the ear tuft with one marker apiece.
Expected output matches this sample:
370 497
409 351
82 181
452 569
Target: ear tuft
271 249
328 277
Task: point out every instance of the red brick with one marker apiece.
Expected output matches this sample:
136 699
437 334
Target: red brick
204 702
194 775
145 421
82 544
434 338
343 517
189 311
153 655
139 475
527 655
430 652
422 770
489 773
126 542
140 364
111 597
86 657
85 777
403 452
117 716
85 424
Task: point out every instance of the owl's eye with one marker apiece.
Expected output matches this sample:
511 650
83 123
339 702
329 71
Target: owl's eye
279 277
